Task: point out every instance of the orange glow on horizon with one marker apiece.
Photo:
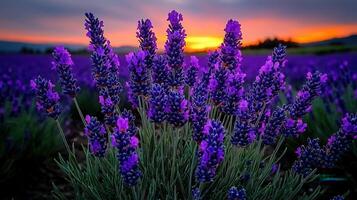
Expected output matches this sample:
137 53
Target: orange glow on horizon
202 43
199 38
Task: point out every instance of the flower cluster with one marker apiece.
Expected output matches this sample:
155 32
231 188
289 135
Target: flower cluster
147 40
160 71
196 194
309 157
108 109
230 48
199 111
140 82
340 142
314 156
243 133
235 193
63 65
211 151
273 127
304 97
217 86
126 144
174 48
234 93
105 63
97 136
47 99
157 104
338 197
266 86
177 108
192 72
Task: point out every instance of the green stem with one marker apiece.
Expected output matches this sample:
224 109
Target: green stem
63 137
79 110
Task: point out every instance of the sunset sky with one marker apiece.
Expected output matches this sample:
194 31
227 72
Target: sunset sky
61 21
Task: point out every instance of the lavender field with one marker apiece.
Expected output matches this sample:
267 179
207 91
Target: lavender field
18 66
171 125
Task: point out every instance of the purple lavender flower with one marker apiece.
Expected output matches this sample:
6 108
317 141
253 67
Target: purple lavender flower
235 193
217 86
199 112
305 96
279 54
211 151
63 65
132 130
213 60
192 72
174 48
338 197
177 109
105 63
294 127
157 104
339 143
234 92
309 157
160 71
140 82
243 134
47 99
126 144
97 136
147 40
230 49
265 87
196 194
273 126
108 109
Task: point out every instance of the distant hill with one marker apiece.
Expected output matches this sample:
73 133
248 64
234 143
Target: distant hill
349 40
17 47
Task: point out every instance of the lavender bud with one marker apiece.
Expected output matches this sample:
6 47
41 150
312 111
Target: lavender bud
63 65
211 151
127 145
235 193
157 103
97 136
47 99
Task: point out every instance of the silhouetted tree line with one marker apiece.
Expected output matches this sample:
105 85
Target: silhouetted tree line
270 43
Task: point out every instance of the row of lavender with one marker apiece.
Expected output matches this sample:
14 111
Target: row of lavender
177 94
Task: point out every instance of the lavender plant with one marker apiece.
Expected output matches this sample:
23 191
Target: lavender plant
199 147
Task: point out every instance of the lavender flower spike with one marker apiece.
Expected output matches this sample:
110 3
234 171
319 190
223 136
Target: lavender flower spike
108 109
97 136
63 65
177 108
309 157
243 134
211 151
174 48
235 193
160 71
340 142
126 144
199 111
139 83
192 72
47 99
230 49
147 40
305 96
157 103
